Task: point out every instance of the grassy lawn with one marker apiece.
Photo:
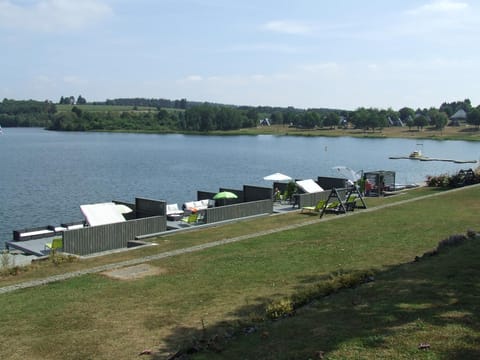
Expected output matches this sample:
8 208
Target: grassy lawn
220 289
432 302
187 239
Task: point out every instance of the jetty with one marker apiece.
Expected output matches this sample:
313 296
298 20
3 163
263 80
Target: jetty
426 158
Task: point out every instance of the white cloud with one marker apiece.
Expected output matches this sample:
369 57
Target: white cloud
263 47
321 67
193 78
441 6
351 84
52 15
441 22
288 27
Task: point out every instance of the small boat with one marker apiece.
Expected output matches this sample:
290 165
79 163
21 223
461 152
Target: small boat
416 154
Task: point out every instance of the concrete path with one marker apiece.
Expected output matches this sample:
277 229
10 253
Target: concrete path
99 269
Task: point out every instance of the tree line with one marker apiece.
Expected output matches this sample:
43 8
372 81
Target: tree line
180 115
26 113
157 103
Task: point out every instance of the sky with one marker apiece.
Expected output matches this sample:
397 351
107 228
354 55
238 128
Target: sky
342 54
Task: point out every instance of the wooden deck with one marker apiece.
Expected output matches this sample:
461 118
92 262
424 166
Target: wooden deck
32 247
36 247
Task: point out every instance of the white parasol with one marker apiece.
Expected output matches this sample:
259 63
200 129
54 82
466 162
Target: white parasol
347 173
277 177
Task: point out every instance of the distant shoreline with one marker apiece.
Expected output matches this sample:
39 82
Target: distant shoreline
462 133
449 133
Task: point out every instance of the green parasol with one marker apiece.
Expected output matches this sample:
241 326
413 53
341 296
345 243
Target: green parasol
225 195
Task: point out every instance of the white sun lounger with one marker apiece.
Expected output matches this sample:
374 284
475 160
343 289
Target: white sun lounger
101 214
309 186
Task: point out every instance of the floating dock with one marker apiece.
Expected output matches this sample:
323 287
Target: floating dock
426 158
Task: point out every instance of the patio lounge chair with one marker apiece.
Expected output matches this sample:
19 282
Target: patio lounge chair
173 209
173 212
56 244
314 209
199 204
334 206
351 204
191 219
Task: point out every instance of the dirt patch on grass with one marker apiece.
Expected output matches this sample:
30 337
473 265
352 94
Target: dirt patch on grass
134 272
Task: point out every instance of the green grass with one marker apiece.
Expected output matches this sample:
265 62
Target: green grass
223 288
432 302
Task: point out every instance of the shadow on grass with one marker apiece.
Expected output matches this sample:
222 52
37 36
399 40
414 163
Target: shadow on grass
431 303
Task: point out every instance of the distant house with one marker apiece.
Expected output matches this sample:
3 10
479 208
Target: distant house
265 122
460 115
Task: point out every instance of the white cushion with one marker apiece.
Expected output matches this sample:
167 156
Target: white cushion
172 209
101 214
309 186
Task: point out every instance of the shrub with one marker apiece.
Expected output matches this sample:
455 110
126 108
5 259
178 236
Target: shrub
452 240
280 309
442 181
335 282
58 259
7 265
471 234
462 178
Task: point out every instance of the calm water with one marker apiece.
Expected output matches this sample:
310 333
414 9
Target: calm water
45 176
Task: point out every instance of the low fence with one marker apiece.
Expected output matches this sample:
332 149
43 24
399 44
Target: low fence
256 193
205 195
100 238
328 183
237 211
248 194
147 208
311 199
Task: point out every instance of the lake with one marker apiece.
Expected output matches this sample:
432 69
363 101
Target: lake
45 176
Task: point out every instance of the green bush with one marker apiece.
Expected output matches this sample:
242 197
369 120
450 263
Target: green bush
280 309
462 178
337 281
58 259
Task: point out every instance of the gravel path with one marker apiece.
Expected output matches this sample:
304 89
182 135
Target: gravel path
98 269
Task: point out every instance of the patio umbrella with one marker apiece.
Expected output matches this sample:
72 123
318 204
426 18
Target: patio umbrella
347 173
277 177
224 195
